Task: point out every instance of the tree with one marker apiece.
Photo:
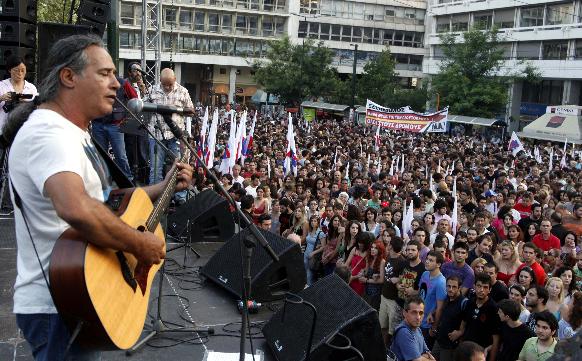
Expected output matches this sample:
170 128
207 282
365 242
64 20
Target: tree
470 81
56 11
297 72
380 83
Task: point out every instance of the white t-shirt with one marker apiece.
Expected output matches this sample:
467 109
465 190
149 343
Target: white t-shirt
45 145
252 191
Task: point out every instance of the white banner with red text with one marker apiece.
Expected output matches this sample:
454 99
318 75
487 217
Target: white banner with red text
406 119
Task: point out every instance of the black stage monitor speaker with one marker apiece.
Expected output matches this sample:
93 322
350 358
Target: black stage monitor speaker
94 11
269 280
25 53
17 33
205 218
18 10
48 34
340 312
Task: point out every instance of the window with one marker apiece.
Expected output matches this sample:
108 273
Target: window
124 39
242 4
185 20
377 36
254 4
213 24
226 26
268 5
335 32
324 31
170 18
356 34
253 22
390 12
199 21
532 16
347 33
302 32
227 49
368 35
313 31
241 25
528 50
578 51
280 6
126 14
557 50
443 24
370 17
222 71
214 46
504 19
279 26
460 22
559 14
186 43
268 28
483 21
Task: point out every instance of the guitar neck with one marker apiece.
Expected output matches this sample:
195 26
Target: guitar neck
164 200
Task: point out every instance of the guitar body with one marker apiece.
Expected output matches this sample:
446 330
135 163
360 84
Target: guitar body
94 284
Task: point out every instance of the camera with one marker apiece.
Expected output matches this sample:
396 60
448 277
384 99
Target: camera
15 99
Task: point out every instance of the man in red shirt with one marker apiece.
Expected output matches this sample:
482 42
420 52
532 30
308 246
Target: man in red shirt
524 207
529 260
546 240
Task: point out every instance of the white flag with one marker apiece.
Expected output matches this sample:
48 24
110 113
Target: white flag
515 145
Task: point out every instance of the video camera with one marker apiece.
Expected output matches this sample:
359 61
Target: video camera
15 99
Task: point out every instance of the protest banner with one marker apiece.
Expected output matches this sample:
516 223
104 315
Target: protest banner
406 119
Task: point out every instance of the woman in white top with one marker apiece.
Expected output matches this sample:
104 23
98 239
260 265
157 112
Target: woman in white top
15 84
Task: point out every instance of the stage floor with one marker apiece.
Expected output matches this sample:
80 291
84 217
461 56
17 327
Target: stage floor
186 298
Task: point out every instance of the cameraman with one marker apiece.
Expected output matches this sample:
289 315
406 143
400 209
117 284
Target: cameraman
13 86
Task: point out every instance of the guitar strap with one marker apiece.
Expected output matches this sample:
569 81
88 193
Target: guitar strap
118 177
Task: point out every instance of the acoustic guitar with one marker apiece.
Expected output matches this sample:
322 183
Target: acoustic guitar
106 290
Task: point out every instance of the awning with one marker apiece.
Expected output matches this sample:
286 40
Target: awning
325 106
484 122
555 127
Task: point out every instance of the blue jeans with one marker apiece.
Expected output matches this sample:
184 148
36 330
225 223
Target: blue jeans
157 161
106 134
48 338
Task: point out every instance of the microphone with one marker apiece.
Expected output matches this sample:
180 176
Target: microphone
138 106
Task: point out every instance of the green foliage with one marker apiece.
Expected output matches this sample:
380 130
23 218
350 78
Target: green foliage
469 81
380 83
297 72
55 11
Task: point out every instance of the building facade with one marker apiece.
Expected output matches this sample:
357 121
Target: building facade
212 43
546 34
372 25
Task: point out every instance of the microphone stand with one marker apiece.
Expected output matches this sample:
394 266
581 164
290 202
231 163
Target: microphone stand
158 326
249 241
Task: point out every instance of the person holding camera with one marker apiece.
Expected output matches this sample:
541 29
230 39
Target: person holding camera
14 89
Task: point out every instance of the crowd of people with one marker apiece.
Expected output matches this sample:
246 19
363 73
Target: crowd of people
506 274
461 247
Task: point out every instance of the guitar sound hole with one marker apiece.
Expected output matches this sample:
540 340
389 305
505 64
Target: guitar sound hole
141 228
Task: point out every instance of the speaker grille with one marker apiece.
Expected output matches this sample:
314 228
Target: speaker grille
269 280
339 309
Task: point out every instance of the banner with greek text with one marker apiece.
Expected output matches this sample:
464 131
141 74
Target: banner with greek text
406 119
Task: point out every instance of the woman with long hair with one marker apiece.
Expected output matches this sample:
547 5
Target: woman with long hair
369 224
526 278
357 261
314 244
507 261
532 230
570 247
566 274
373 275
555 288
352 230
261 204
335 235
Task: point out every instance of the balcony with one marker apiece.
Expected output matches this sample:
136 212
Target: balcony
554 69
455 7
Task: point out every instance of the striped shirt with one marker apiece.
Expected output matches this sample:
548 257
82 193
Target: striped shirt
178 97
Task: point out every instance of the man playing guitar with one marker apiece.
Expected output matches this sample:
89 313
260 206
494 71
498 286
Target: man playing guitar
63 182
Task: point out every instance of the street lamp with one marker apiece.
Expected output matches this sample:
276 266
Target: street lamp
354 76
